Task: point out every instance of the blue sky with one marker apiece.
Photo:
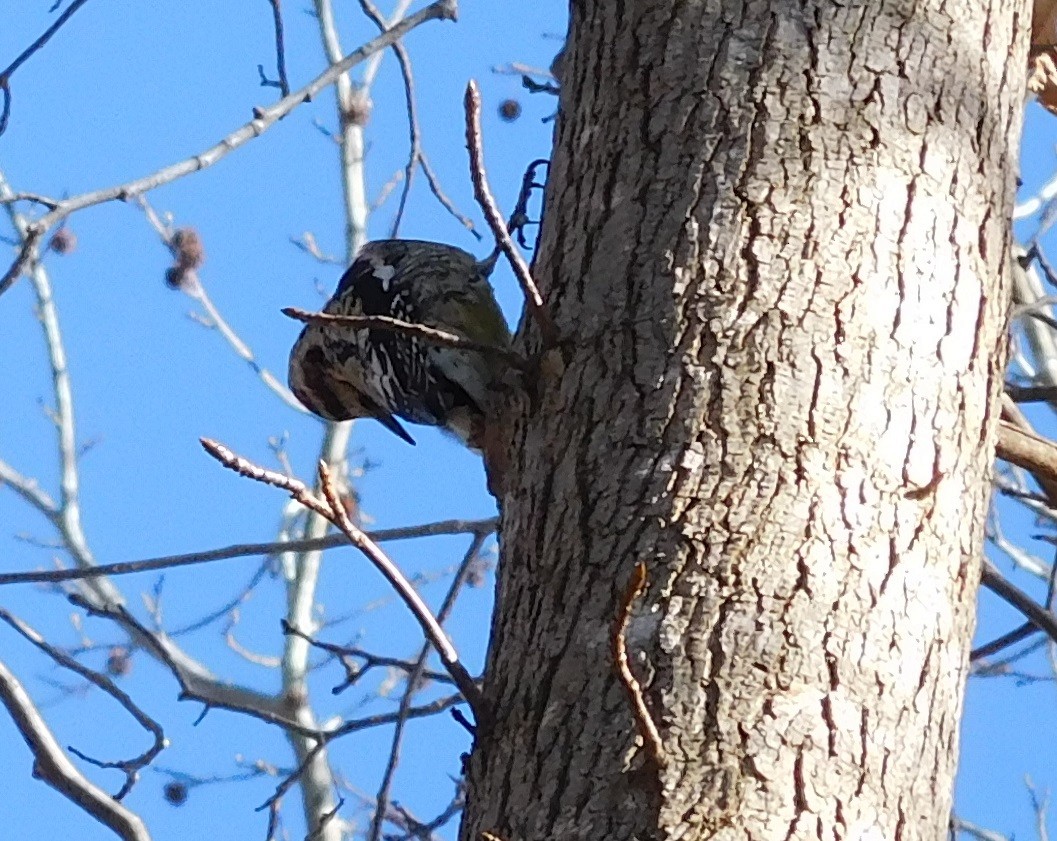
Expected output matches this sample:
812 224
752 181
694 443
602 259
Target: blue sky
126 88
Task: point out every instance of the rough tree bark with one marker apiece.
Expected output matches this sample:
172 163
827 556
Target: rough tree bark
777 240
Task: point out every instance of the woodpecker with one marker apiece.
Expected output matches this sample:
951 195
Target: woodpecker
341 372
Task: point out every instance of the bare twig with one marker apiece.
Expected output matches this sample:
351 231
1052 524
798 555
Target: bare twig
263 119
382 798
131 767
1040 804
420 331
241 550
432 708
978 832
197 292
1032 394
51 764
7 72
26 255
998 644
333 511
416 155
1032 452
1035 613
533 299
157 645
354 671
641 713
36 198
29 490
280 53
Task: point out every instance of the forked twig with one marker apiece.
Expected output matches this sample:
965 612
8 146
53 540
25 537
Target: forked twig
131 767
483 194
280 52
53 766
263 119
332 510
6 73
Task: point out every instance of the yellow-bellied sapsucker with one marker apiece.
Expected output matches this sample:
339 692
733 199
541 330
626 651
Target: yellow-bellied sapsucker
341 372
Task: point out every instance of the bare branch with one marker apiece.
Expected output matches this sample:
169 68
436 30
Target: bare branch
420 331
131 767
263 119
354 671
356 725
978 832
1036 614
241 550
416 155
196 291
7 72
333 511
382 798
1031 452
280 52
211 693
533 299
1003 642
29 490
51 764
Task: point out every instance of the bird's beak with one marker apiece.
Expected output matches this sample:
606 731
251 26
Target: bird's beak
393 425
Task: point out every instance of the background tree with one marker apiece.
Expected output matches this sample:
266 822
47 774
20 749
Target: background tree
676 309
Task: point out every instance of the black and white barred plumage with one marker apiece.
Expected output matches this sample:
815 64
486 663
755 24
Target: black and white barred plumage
340 372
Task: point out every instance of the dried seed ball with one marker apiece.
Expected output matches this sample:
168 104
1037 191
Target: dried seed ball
175 793
119 661
187 247
509 110
63 241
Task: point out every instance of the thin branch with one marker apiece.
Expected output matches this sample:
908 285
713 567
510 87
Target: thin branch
333 511
1040 804
434 185
534 300
354 726
194 289
235 702
29 490
1018 634
978 832
420 331
1032 452
414 133
1032 394
131 767
26 254
263 119
382 798
241 550
640 712
354 671
36 198
280 52
51 764
1036 614
416 155
7 72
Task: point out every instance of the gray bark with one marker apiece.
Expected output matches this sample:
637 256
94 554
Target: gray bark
777 240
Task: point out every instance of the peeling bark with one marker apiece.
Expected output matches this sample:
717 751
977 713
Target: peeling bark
777 243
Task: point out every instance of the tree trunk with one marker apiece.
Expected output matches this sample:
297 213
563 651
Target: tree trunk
777 242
